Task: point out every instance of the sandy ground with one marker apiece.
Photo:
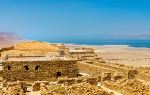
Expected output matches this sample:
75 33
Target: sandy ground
125 55
122 54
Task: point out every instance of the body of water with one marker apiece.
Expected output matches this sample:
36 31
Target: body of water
131 43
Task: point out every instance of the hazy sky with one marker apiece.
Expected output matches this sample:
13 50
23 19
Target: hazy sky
76 19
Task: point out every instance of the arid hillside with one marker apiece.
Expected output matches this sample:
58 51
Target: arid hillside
8 39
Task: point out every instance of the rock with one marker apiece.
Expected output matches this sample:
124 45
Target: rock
132 74
14 89
36 87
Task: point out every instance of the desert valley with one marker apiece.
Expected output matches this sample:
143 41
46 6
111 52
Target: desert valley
42 68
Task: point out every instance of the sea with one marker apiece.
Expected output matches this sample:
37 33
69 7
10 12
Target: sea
130 43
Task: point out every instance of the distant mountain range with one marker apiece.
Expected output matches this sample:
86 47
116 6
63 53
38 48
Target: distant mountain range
8 39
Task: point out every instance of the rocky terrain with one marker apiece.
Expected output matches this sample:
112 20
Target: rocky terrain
116 70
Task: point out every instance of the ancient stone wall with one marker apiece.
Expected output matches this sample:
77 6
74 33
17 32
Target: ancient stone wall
85 49
83 54
70 81
88 68
18 53
39 70
93 69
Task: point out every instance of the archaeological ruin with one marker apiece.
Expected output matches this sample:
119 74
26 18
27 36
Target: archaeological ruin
24 64
55 69
83 53
38 68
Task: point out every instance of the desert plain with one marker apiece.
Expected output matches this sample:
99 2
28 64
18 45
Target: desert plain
122 54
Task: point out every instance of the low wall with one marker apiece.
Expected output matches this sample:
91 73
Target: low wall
113 87
70 81
88 68
92 69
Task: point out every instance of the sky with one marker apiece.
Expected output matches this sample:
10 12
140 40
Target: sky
76 19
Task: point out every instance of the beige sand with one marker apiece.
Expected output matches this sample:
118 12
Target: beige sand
122 54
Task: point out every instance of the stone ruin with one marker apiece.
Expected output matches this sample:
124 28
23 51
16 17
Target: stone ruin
75 89
52 70
14 89
41 64
38 69
83 53
34 49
